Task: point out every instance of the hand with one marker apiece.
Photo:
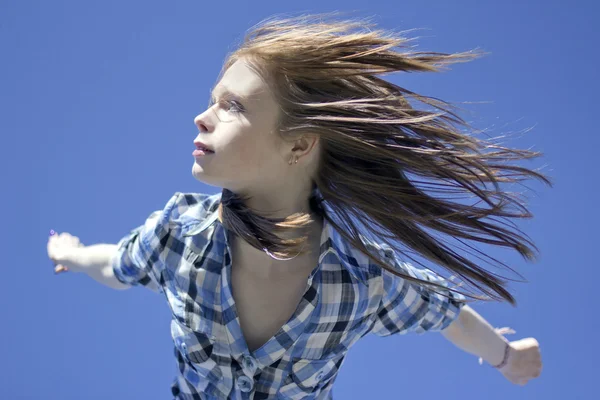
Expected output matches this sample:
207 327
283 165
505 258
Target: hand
524 361
60 251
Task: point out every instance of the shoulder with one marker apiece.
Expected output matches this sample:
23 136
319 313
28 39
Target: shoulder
191 207
389 257
406 270
381 250
185 208
341 255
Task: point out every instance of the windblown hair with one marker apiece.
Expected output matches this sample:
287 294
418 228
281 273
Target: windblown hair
383 162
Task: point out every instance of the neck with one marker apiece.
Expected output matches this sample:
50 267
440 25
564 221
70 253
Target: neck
260 264
287 199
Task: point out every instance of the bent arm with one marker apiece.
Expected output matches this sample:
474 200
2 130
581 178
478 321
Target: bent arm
472 333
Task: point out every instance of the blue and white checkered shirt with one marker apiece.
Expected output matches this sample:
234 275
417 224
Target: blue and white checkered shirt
183 252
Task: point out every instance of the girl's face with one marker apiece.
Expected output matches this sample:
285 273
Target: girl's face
249 155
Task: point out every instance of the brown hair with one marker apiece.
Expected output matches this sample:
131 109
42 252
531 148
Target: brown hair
383 161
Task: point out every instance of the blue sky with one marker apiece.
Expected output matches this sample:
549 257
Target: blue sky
98 101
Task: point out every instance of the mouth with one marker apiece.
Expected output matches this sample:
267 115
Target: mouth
203 147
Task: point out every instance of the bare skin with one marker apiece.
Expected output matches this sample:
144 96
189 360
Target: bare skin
267 297
265 305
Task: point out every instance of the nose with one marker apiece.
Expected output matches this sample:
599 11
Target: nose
202 123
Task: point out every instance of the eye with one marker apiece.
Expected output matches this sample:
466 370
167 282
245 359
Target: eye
234 106
230 105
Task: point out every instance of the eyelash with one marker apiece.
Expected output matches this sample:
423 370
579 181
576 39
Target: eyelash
239 107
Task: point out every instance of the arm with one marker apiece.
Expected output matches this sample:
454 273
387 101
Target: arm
132 261
97 263
409 307
96 260
472 333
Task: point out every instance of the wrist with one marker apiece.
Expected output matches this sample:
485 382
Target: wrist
83 259
71 259
493 348
94 256
505 357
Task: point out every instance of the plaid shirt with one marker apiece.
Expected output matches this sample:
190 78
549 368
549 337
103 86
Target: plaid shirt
183 252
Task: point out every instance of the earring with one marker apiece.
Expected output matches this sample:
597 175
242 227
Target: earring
290 162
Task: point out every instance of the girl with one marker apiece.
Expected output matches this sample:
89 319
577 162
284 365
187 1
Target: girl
322 164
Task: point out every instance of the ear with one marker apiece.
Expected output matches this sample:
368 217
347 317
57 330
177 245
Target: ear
305 145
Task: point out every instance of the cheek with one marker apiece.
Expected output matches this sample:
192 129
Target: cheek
249 156
256 154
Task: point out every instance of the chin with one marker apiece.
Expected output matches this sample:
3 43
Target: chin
200 175
198 172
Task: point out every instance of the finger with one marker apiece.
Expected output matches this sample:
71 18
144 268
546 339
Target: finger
60 269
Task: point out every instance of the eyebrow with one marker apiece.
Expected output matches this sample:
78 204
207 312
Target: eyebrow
226 90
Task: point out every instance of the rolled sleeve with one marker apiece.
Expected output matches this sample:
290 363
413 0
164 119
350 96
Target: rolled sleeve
137 261
410 307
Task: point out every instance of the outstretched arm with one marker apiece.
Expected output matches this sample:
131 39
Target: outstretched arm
69 254
518 361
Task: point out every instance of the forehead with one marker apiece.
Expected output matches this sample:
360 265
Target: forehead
242 80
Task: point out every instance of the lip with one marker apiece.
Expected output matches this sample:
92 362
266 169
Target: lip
200 145
200 153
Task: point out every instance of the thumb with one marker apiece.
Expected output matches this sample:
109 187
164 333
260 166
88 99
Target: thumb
59 268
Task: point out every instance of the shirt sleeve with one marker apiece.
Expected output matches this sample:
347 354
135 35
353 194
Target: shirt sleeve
410 307
138 261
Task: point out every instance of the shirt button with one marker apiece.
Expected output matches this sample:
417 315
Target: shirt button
249 363
244 383
320 376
